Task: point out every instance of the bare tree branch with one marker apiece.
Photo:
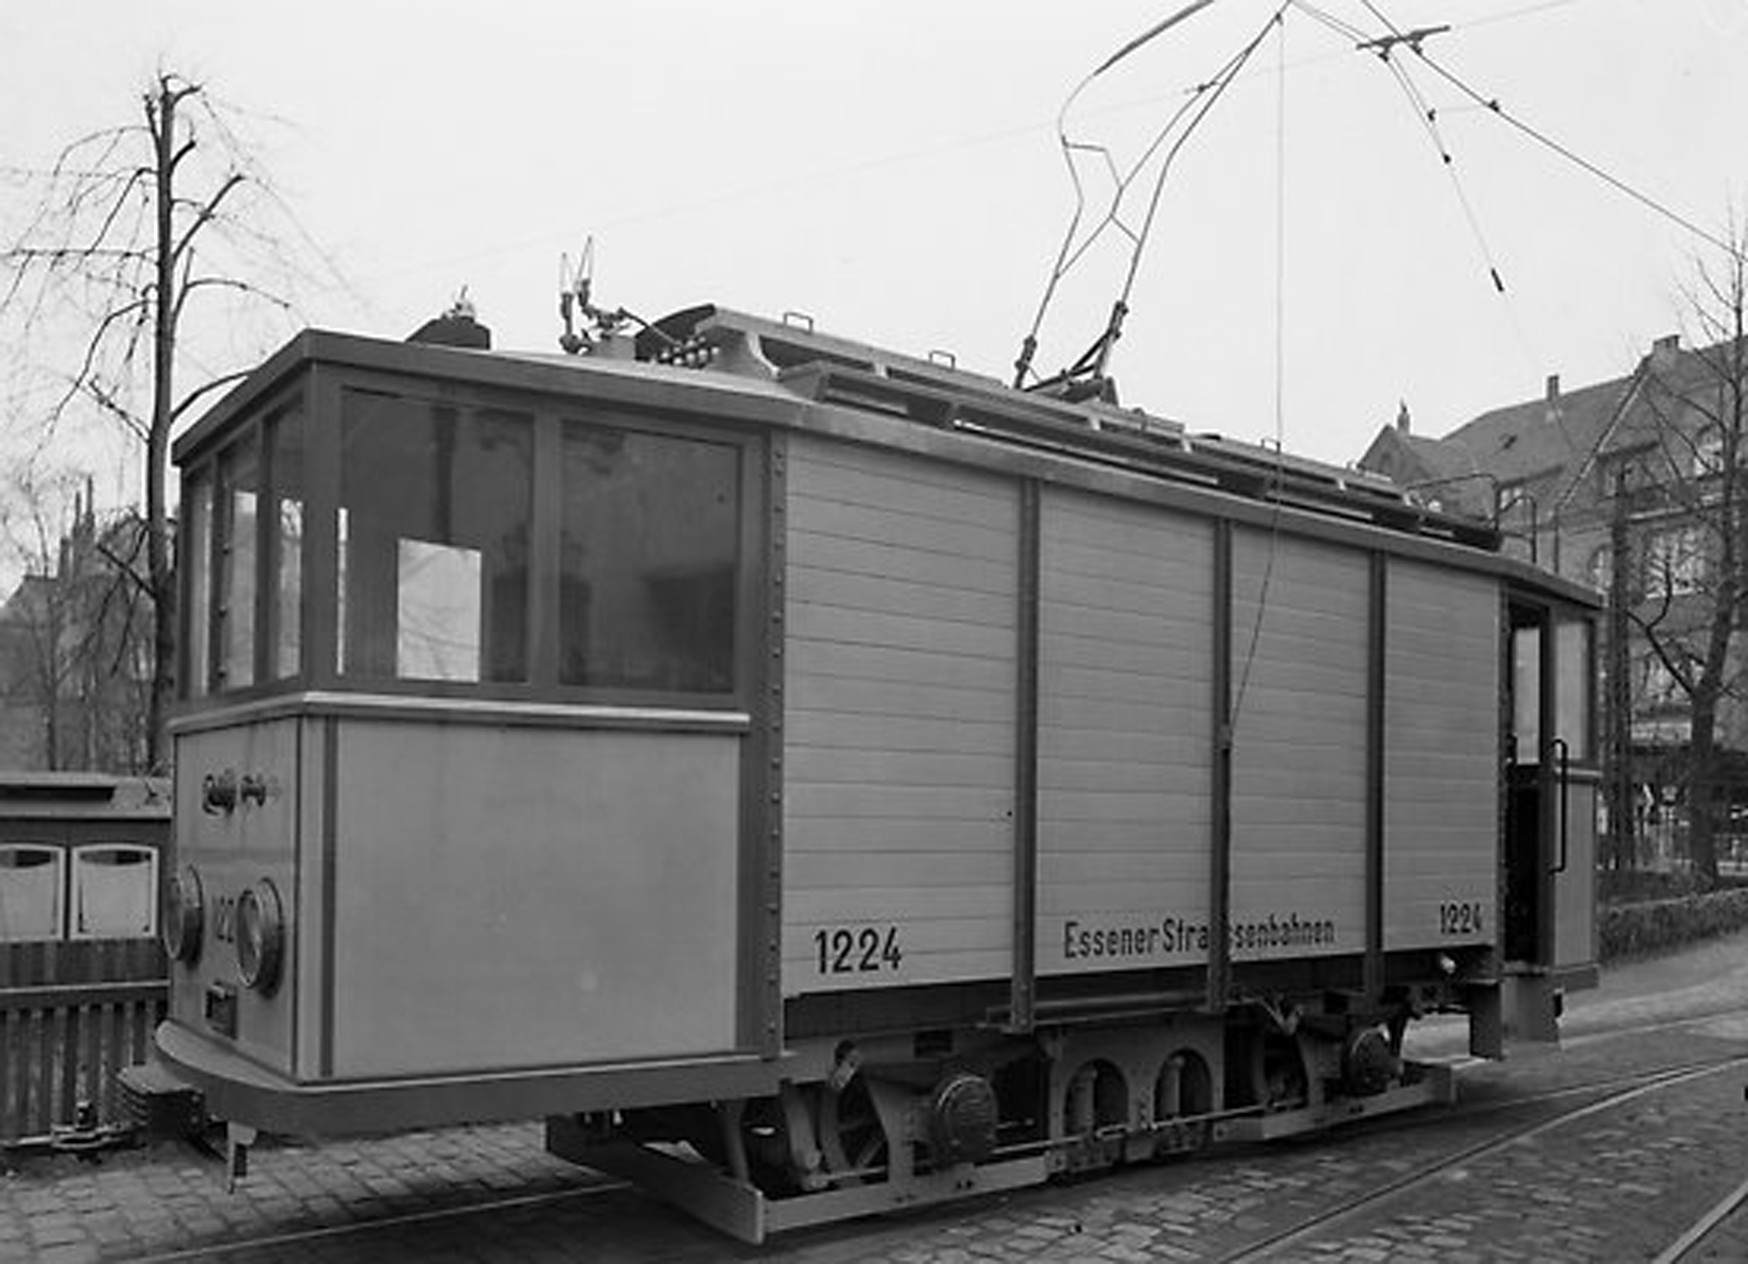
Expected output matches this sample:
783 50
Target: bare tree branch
113 407
105 265
207 388
205 214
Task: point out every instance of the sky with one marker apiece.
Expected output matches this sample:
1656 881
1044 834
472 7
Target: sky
895 172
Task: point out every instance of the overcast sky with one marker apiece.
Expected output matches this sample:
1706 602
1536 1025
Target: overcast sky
893 170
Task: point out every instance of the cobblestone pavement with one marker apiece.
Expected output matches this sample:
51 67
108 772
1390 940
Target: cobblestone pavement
1621 1183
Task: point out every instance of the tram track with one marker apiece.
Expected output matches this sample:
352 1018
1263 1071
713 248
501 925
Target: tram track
249 1247
1615 1093
1598 1096
1695 1238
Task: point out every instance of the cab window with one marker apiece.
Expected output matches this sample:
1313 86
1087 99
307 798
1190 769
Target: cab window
196 557
285 541
433 533
235 536
648 553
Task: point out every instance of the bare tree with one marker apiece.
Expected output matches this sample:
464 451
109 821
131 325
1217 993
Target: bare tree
133 228
1691 528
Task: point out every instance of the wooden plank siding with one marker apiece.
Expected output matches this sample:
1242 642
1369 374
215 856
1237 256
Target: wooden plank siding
900 698
1441 757
1124 716
1300 629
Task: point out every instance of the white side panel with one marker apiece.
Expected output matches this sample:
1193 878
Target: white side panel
1124 736
1441 758
900 702
1299 682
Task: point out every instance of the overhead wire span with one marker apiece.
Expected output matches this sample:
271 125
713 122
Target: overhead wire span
1428 117
1493 105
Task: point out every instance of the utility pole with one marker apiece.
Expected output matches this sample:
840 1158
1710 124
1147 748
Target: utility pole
1621 821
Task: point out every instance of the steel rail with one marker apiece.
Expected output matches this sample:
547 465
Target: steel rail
1637 1086
247 1247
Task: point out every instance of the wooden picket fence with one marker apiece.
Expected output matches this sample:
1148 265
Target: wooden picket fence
71 1016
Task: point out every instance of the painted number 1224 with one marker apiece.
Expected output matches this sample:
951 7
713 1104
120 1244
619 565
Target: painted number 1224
857 950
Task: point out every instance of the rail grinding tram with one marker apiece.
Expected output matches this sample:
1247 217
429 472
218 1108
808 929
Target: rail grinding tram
820 781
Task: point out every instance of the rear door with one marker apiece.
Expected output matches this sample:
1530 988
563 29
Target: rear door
1551 786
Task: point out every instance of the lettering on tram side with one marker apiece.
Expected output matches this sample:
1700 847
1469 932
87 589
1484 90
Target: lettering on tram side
1461 917
1146 939
856 949
1119 941
1287 930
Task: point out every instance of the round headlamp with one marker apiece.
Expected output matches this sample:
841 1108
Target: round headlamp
184 915
260 936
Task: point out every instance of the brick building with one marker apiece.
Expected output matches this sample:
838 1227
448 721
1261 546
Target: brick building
75 663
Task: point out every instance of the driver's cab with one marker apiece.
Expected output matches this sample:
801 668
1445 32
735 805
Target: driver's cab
1552 780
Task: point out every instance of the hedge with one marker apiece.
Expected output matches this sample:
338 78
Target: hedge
1636 930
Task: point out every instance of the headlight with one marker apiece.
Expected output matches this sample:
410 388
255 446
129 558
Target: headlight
184 915
260 936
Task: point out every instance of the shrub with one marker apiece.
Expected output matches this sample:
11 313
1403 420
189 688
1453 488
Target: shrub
1636 930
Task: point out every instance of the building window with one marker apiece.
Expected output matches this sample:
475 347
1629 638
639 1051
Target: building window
1659 686
1674 561
1708 451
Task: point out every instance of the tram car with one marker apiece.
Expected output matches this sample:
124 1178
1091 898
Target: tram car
818 781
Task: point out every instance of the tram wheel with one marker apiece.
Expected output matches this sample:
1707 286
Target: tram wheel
851 1135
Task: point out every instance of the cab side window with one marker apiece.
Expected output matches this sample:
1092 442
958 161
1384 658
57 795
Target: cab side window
649 550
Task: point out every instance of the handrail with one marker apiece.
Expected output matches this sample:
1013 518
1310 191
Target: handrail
1564 765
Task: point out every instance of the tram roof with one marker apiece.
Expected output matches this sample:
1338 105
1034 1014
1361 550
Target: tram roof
747 368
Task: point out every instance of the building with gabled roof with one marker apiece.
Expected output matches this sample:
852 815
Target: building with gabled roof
1615 484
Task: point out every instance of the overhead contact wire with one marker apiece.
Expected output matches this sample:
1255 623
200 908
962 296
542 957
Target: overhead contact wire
1493 106
1428 117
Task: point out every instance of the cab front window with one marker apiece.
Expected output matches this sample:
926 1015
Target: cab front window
360 530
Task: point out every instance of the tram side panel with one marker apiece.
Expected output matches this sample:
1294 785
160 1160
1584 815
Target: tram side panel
1298 714
1441 758
900 700
1125 755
